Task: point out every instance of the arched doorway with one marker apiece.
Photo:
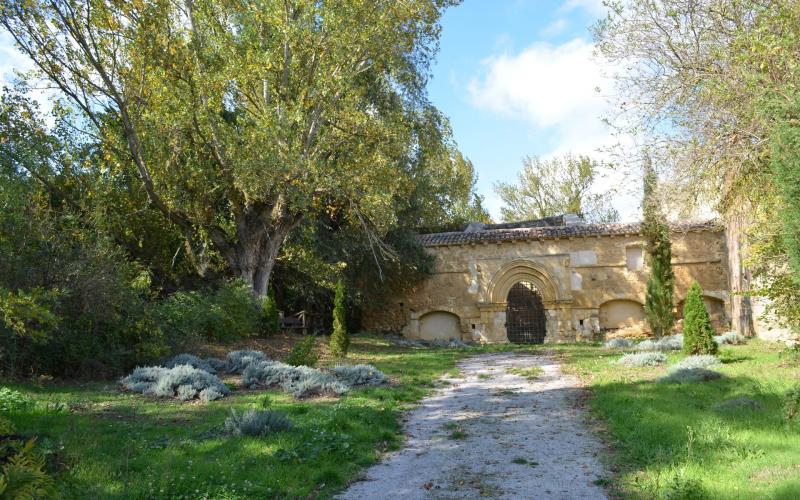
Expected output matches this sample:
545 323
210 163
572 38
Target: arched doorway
525 318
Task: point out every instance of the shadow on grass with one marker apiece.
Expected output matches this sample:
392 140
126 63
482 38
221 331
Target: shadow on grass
662 427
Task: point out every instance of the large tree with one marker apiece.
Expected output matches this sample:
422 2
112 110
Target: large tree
240 119
556 186
696 74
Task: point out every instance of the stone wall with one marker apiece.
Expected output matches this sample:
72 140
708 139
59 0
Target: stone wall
576 278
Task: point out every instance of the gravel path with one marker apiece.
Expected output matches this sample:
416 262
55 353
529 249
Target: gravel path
489 433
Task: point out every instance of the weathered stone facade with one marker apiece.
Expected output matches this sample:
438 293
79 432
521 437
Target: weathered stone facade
590 279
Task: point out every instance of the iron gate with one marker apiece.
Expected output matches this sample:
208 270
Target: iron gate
525 319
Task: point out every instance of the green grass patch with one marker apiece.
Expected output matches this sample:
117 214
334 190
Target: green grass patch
683 440
530 373
103 443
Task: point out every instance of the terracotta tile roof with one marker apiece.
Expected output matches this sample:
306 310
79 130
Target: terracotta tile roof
554 232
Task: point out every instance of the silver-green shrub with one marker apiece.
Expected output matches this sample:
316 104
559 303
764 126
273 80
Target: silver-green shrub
739 404
618 343
185 392
668 343
216 364
191 360
689 375
237 361
697 361
256 423
300 381
355 375
645 345
730 338
307 381
210 394
183 382
642 359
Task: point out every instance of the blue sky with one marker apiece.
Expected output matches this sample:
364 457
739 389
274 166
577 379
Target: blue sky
516 78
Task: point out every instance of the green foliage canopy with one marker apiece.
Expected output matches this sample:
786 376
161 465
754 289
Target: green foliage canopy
553 187
239 119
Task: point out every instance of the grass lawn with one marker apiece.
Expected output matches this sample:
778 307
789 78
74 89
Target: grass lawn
115 445
670 440
673 441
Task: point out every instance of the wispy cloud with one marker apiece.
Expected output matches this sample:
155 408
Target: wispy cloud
593 7
550 86
560 91
555 28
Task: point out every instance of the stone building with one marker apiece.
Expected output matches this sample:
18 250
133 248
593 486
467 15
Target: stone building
550 280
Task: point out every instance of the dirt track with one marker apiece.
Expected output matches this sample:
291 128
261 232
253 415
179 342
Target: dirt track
489 433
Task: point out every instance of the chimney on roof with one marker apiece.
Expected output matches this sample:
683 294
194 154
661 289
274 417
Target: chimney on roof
474 227
573 219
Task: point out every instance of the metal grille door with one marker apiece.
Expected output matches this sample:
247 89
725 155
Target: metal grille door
525 318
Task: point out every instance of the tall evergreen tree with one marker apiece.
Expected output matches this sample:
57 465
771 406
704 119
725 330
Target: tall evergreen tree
698 334
340 340
658 306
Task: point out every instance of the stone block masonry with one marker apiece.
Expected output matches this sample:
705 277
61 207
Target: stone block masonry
589 278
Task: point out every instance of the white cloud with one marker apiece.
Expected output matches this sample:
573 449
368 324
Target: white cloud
554 28
11 59
560 91
548 86
594 7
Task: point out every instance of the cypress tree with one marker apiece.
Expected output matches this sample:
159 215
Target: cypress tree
658 304
340 340
698 334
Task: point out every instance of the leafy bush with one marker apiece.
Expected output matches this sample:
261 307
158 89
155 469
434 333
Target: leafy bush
303 353
642 359
14 401
191 360
698 361
791 406
256 423
729 338
618 343
182 382
697 329
237 361
683 487
23 473
270 315
340 339
228 313
689 375
358 375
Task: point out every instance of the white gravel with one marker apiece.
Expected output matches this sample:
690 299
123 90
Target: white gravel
524 439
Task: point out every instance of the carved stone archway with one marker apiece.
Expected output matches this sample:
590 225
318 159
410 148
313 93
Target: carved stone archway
522 270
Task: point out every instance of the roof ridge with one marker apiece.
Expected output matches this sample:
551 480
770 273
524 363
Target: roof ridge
552 232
